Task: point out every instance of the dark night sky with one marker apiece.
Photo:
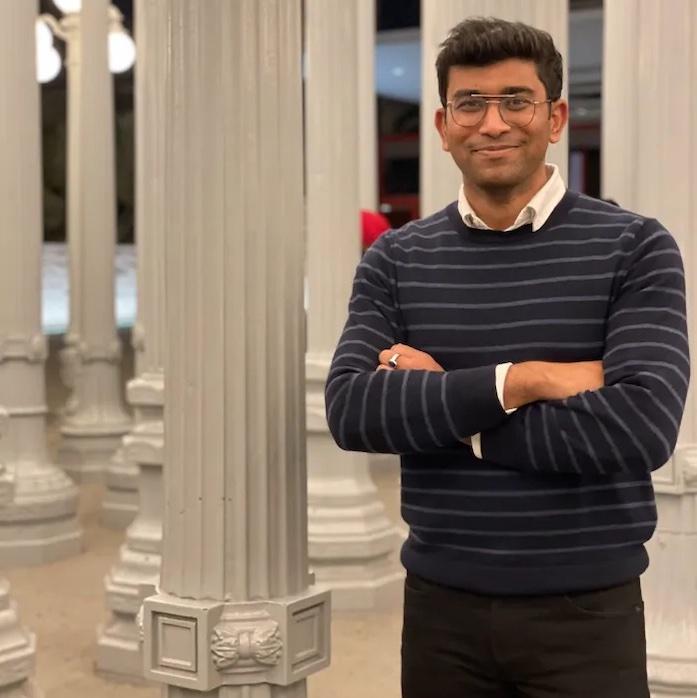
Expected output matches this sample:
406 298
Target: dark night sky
391 14
398 14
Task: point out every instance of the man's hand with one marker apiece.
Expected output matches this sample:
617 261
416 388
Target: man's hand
409 358
530 381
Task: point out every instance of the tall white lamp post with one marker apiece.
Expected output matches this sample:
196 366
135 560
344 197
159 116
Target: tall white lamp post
94 418
38 502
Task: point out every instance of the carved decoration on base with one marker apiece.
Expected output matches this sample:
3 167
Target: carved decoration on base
236 645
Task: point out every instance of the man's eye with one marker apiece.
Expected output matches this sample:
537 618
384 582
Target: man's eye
517 103
469 105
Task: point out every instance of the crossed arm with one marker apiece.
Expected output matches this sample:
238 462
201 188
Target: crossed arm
526 382
590 417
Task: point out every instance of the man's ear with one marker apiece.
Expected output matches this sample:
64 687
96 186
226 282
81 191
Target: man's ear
559 118
441 127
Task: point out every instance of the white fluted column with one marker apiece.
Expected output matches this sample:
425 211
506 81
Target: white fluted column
137 569
39 522
352 544
94 419
234 608
650 166
22 347
367 107
440 177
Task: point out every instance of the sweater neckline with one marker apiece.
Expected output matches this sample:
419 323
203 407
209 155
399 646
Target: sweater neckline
503 236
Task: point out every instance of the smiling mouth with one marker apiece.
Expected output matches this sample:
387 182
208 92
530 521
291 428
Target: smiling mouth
494 148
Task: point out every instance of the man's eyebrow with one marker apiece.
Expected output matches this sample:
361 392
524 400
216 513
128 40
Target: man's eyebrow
511 90
514 90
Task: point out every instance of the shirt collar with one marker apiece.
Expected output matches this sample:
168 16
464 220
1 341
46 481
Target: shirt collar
537 210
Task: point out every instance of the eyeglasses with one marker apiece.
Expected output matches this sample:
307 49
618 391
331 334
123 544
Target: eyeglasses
514 110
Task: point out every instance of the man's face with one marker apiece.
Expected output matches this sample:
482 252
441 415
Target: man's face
494 155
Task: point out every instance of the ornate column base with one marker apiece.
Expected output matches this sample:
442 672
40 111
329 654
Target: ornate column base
352 546
86 456
669 584
119 641
120 503
203 645
38 501
130 581
17 651
39 524
137 572
94 419
119 653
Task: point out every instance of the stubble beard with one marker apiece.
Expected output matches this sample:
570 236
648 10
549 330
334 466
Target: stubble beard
496 184
499 182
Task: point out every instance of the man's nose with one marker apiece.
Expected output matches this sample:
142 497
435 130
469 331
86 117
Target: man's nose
492 124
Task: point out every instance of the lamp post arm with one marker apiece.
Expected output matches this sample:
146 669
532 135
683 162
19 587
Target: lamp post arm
55 26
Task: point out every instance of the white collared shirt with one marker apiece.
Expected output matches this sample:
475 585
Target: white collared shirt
537 211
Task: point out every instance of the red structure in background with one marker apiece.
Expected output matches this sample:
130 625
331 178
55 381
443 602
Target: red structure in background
373 225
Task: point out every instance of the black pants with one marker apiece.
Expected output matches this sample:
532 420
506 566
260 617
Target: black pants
581 645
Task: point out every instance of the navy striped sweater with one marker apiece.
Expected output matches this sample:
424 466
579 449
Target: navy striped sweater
562 500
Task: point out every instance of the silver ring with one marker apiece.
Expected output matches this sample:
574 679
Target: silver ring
393 360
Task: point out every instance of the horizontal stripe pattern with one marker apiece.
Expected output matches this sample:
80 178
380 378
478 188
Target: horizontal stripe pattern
562 482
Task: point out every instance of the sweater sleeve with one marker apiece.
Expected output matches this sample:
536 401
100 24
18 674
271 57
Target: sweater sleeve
401 411
631 424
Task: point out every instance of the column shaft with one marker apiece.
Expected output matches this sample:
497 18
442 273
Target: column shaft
234 609
352 543
38 523
367 107
22 346
440 178
650 166
94 418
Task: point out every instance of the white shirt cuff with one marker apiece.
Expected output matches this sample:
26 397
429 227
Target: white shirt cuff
501 373
476 442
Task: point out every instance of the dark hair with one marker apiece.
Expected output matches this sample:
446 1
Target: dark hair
486 40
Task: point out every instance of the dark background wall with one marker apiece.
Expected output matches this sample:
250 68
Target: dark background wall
53 127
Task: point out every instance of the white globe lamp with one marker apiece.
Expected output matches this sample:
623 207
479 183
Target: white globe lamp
44 37
48 64
122 51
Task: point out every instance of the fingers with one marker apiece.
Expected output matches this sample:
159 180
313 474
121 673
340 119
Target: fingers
384 357
402 362
402 348
405 353
407 358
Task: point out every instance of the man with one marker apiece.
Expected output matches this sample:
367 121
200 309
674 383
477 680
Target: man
532 368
